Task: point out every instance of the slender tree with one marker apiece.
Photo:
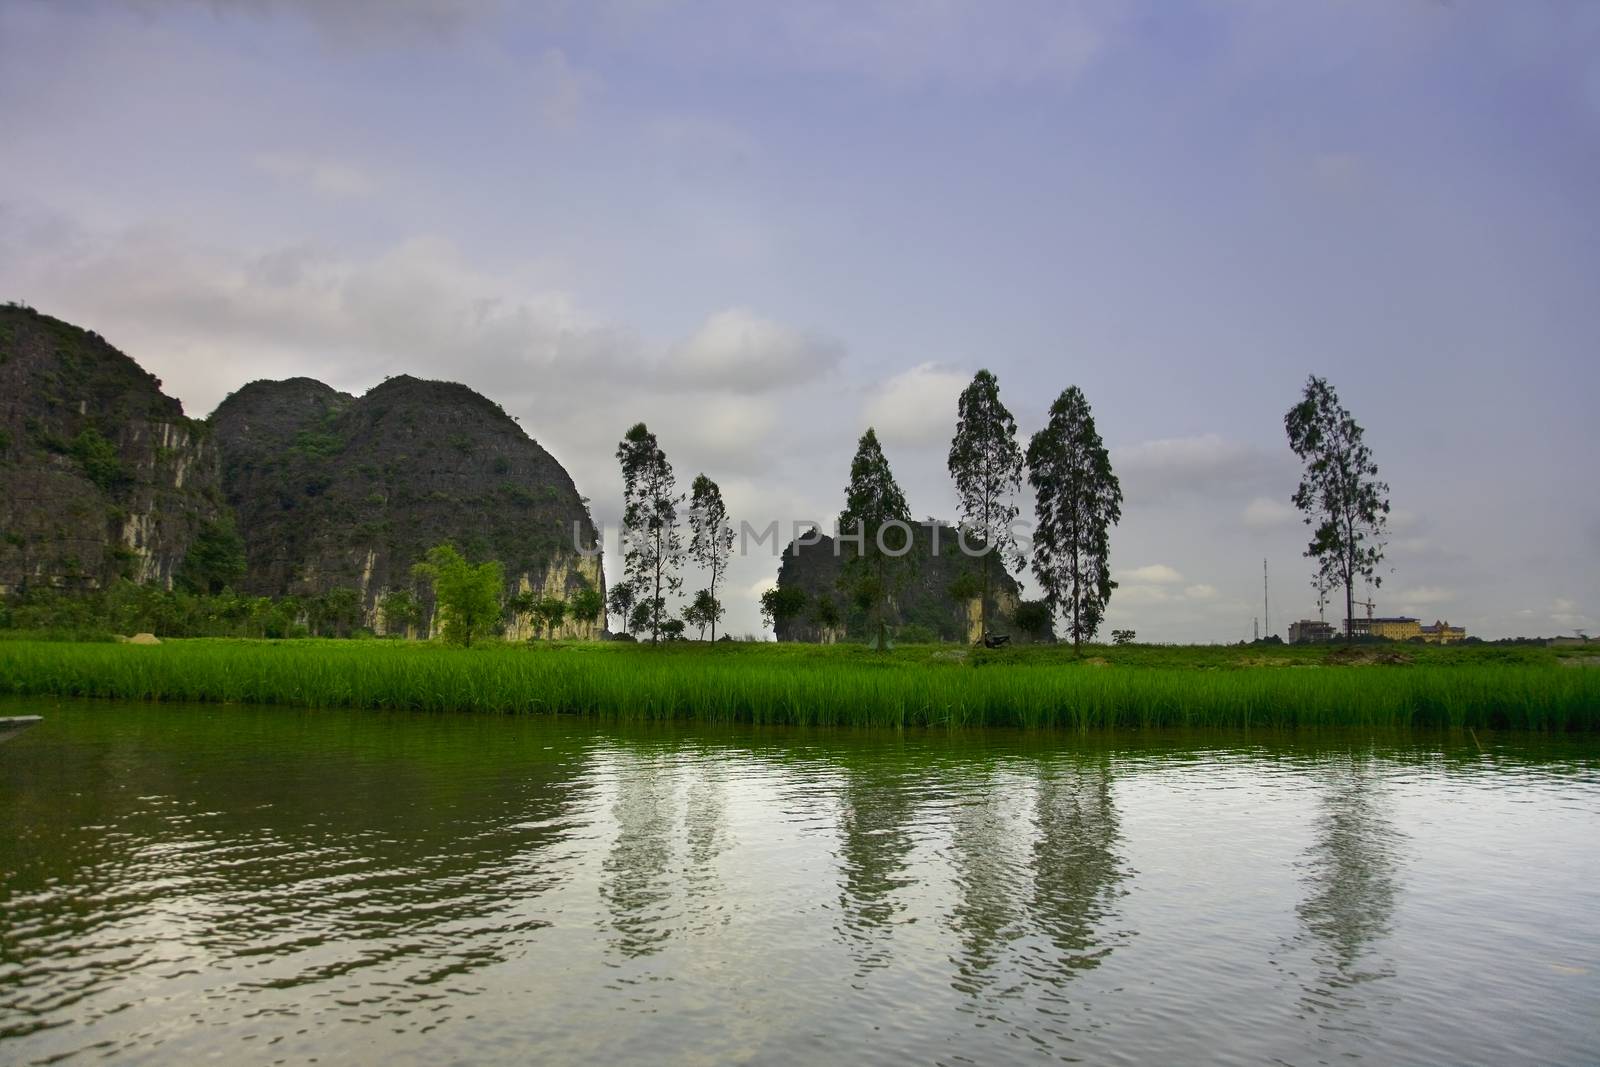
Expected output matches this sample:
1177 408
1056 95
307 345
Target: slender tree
986 463
873 501
711 537
654 550
620 600
1077 499
1339 493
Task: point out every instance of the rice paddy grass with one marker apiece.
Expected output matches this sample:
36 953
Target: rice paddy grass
920 686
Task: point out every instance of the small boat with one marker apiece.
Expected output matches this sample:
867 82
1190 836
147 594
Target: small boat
13 726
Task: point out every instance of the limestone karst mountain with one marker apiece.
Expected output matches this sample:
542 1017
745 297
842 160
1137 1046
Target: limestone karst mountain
102 476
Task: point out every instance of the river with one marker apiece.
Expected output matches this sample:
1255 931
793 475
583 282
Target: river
184 884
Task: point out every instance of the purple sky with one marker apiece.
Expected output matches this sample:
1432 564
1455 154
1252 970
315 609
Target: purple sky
760 227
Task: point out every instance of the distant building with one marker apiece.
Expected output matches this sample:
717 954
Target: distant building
1306 631
1442 633
1392 628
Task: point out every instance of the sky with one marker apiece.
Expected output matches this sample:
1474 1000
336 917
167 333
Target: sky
762 227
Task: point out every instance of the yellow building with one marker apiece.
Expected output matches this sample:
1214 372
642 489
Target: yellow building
1394 628
1442 633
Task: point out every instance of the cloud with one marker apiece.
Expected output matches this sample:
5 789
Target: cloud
913 44
560 89
328 177
354 22
739 350
1160 591
702 146
1564 612
1424 595
916 407
1155 573
227 315
1205 463
1264 513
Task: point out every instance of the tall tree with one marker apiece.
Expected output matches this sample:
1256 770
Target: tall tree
873 500
711 540
654 549
1339 493
986 463
1077 499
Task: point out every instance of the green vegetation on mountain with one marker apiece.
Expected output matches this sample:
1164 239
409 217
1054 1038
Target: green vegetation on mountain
101 474
334 491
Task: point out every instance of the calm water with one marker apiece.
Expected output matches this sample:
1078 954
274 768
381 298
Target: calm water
183 884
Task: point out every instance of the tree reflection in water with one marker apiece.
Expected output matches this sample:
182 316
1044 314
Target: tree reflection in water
636 874
1351 878
989 832
1077 871
875 844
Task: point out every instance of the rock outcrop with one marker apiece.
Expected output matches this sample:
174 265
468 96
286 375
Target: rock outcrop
332 490
923 601
101 475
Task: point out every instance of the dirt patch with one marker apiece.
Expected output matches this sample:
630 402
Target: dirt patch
1360 657
1581 661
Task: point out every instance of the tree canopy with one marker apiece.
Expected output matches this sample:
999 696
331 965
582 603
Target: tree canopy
710 543
986 463
468 596
1077 499
653 544
1339 494
874 505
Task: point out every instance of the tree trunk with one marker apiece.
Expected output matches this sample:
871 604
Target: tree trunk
655 604
1350 610
983 605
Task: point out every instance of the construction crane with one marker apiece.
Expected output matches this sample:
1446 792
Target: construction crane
1350 625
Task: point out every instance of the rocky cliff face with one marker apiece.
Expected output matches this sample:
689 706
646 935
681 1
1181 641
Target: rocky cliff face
332 490
922 598
101 475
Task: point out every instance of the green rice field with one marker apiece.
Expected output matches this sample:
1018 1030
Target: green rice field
921 686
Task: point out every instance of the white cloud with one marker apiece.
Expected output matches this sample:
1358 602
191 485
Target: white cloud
739 350
728 432
1160 591
325 176
1204 463
357 22
1155 573
1564 612
702 145
1425 594
916 407
216 317
910 44
1265 513
560 89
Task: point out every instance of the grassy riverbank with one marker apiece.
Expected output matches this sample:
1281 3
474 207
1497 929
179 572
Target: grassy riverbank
1147 686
